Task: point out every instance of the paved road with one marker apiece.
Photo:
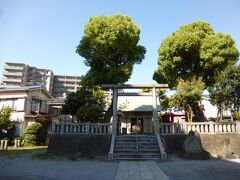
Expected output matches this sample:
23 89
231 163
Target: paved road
23 168
26 169
201 170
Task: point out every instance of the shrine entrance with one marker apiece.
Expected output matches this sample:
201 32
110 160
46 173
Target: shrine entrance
135 123
137 120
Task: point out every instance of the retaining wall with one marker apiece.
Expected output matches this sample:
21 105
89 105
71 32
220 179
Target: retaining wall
218 145
86 145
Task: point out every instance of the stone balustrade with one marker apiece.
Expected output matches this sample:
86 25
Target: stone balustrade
80 128
200 127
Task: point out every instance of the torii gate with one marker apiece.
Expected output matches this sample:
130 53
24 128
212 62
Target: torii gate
115 88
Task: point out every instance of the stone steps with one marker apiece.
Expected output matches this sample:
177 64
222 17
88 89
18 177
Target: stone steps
136 147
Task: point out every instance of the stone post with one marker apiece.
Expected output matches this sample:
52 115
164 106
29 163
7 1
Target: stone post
87 128
238 127
1 144
5 144
15 143
184 128
53 128
62 127
115 116
211 128
114 123
155 114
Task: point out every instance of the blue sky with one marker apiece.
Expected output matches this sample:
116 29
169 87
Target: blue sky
45 33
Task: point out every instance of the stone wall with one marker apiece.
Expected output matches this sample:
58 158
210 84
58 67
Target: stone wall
85 145
218 145
222 145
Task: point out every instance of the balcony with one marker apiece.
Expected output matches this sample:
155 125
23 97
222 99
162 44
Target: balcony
6 80
71 90
70 85
67 80
17 74
13 67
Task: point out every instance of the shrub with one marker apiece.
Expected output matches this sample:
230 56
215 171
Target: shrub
236 116
32 134
7 127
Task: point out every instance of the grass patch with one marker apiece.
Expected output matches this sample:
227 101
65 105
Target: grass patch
13 151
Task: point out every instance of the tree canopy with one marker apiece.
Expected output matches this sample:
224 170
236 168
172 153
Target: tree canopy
110 48
86 104
226 92
194 50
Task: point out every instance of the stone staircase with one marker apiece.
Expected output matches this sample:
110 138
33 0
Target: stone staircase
136 147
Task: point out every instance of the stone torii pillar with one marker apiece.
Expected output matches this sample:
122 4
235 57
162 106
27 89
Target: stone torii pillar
115 113
155 113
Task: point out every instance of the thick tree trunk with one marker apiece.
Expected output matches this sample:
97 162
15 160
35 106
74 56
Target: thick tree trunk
198 112
109 113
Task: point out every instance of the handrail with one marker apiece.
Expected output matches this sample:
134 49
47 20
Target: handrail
110 154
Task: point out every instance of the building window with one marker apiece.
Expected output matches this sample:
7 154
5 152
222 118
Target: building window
11 103
35 106
38 106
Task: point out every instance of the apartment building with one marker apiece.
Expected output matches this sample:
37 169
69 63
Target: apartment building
14 74
65 84
19 74
43 77
29 104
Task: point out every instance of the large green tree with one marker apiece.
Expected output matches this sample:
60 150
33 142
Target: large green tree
194 50
110 48
226 92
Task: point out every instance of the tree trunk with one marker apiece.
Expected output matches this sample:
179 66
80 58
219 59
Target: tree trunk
109 113
219 114
198 112
189 113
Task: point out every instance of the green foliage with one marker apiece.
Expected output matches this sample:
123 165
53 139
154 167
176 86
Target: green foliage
110 48
236 116
165 101
188 92
87 104
226 92
5 123
72 102
33 134
187 96
194 50
146 90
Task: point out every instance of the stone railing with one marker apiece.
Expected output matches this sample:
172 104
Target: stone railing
200 127
80 128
